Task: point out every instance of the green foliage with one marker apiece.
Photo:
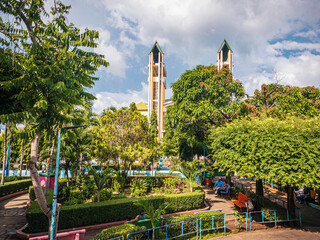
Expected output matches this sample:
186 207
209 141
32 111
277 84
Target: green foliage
152 212
138 187
202 97
101 178
190 170
112 210
121 230
285 151
173 182
14 186
118 183
280 101
105 194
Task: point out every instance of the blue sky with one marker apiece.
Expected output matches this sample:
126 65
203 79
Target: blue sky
271 40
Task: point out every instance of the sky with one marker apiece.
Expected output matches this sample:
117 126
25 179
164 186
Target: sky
272 41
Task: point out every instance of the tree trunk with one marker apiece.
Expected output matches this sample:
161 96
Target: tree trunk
259 187
228 179
291 205
49 168
21 160
35 176
4 153
57 220
67 172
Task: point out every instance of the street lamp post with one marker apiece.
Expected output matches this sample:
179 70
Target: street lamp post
55 193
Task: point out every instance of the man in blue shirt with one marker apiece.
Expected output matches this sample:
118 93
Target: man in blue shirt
219 183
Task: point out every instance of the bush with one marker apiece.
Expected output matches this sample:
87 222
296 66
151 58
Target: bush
105 194
119 183
32 195
138 187
14 178
14 186
87 190
112 210
116 231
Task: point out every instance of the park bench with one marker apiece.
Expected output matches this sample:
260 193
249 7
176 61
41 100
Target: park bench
242 201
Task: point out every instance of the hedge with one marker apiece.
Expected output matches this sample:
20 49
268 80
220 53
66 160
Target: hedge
14 186
121 230
62 184
173 230
112 210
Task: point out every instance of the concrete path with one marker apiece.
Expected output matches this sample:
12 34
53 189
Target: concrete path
12 215
216 202
281 234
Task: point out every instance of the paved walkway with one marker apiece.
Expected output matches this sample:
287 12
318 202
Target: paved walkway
281 234
12 215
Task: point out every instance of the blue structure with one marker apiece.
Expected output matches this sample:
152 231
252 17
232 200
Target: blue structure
8 160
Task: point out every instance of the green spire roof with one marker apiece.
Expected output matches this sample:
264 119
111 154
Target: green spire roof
224 43
156 48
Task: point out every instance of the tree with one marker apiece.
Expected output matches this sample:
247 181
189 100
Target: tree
285 151
57 71
278 101
202 97
190 170
121 137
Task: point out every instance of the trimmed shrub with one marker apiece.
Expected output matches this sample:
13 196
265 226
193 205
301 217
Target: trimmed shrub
191 226
112 210
14 186
32 195
116 231
14 178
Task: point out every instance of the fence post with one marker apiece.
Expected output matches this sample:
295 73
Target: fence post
250 221
235 219
182 229
262 216
300 217
288 215
275 219
198 228
166 232
224 224
272 184
246 222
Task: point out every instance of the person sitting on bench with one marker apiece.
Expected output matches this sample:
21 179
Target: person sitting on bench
304 197
224 188
219 183
139 217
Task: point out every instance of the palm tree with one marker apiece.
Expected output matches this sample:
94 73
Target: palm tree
190 170
101 178
153 214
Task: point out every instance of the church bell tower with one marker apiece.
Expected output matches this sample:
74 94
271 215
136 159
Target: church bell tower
224 57
157 85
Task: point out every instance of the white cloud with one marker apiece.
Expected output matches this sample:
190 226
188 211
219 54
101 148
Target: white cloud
118 100
191 31
115 57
